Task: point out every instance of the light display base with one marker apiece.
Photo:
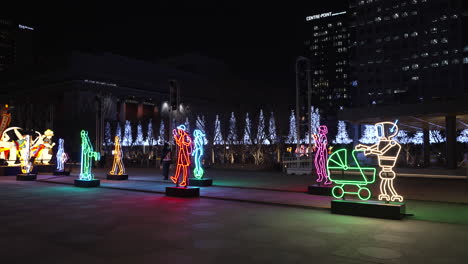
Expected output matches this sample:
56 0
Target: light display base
377 209
183 192
87 184
117 177
200 182
316 189
61 173
26 177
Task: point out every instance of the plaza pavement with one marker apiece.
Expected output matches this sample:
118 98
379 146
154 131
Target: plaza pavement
58 223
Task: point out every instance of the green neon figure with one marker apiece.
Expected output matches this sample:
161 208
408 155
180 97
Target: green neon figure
198 153
339 161
87 155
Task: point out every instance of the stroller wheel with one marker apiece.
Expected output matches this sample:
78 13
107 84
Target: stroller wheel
364 193
338 191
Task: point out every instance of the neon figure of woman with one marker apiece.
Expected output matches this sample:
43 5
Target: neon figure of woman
184 142
321 155
198 153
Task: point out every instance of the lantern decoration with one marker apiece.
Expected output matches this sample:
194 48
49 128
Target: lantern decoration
87 156
184 143
198 153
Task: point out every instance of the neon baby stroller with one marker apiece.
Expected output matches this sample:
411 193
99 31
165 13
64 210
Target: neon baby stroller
338 161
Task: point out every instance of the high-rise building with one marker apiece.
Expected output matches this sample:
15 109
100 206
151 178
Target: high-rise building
16 44
406 52
326 45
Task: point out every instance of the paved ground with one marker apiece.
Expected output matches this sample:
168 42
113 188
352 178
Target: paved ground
58 223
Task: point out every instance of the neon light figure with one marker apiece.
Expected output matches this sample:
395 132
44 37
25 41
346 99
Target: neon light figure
87 154
387 150
198 153
117 159
321 155
62 157
184 142
26 165
338 160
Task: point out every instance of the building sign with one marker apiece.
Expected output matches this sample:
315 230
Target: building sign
323 15
25 27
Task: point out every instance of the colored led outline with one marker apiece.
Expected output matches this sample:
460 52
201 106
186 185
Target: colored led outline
198 153
26 165
61 156
321 155
118 155
87 155
387 150
184 143
338 160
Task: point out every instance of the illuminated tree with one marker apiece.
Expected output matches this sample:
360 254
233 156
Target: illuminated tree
418 138
127 139
369 135
139 139
314 120
118 130
272 129
149 141
200 125
107 135
292 136
463 138
261 135
342 136
162 133
218 137
247 130
232 136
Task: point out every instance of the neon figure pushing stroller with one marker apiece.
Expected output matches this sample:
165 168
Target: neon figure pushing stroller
338 160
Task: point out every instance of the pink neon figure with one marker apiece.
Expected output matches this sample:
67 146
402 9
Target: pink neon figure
321 155
184 142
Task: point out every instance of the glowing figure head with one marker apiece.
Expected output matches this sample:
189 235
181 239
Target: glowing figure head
323 130
118 155
198 153
386 130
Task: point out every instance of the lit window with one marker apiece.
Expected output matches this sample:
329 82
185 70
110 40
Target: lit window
415 78
414 34
406 35
404 14
465 60
455 61
378 19
455 16
414 12
444 17
414 66
444 63
435 64
444 40
433 41
405 68
395 16
445 52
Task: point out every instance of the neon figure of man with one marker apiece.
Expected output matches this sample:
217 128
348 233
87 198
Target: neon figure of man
387 151
198 153
321 155
87 156
62 157
184 142
117 159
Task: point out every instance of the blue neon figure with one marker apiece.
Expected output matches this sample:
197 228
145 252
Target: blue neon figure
87 154
198 153
62 157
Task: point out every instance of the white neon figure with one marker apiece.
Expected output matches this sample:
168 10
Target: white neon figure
118 163
62 157
26 165
387 150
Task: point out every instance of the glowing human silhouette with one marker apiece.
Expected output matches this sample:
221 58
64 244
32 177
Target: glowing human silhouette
26 164
87 156
198 153
184 143
387 151
61 156
321 155
117 164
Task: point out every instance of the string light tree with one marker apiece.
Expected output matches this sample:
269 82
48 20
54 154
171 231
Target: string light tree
184 144
88 154
26 164
62 158
118 169
197 154
387 150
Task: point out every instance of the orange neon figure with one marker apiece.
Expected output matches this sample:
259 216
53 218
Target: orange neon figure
387 151
117 159
184 142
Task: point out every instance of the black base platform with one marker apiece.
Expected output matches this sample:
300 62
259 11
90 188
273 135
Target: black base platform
200 182
377 209
87 184
61 173
316 189
183 192
117 177
26 177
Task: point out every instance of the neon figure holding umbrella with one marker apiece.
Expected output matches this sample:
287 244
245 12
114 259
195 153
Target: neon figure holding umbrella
184 142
